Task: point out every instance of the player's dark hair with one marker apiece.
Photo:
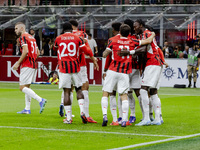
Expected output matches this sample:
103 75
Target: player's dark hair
141 22
116 26
73 22
125 30
149 28
67 27
130 23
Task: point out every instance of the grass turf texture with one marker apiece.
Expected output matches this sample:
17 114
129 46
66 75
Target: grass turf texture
180 109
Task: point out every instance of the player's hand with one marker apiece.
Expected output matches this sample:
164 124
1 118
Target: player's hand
153 33
104 75
123 52
96 66
166 65
16 65
96 52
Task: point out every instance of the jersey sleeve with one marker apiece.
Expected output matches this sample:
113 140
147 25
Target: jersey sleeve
84 48
147 34
135 43
55 46
161 55
108 61
23 41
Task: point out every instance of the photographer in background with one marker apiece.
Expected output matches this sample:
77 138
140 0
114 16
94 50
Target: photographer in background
193 63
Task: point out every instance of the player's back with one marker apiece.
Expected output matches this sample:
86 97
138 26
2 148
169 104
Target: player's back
29 40
120 64
68 47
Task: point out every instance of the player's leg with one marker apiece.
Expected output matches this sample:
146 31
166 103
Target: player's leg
67 105
85 90
76 79
145 106
113 108
137 93
27 76
156 106
120 109
150 108
125 108
131 100
123 87
61 110
104 106
108 87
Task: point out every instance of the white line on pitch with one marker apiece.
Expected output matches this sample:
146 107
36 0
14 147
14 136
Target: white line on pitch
155 142
84 131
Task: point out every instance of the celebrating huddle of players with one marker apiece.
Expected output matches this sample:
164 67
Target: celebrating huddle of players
131 53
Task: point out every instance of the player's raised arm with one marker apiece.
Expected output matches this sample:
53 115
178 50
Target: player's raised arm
24 54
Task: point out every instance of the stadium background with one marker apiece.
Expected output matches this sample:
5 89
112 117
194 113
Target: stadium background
175 23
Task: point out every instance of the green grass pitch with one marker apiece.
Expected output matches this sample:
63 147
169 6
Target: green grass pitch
180 109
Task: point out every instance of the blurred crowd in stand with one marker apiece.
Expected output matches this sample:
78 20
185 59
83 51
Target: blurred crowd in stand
93 2
180 51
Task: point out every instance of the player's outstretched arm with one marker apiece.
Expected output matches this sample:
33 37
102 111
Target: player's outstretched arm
96 66
148 40
24 54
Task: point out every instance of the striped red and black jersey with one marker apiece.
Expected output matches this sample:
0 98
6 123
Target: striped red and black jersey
161 56
30 59
135 58
84 36
68 45
121 64
152 50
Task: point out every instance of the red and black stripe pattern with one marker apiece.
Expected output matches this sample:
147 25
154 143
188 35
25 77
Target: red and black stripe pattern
69 66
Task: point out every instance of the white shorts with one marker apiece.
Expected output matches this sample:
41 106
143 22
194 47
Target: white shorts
116 80
67 79
135 80
151 76
27 75
84 76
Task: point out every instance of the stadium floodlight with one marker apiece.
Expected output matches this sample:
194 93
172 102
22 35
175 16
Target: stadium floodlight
184 25
108 25
17 19
157 17
49 19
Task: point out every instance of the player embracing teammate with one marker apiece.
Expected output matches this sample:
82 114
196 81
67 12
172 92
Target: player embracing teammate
117 74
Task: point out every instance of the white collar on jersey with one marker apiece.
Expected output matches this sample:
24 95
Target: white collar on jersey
123 37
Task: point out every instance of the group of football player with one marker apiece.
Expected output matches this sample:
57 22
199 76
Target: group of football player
134 62
132 52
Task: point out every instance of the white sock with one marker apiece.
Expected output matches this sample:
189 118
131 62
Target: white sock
125 108
140 102
150 107
68 110
160 110
71 97
62 98
81 105
131 104
86 103
145 103
113 107
156 106
120 106
104 105
32 94
27 102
